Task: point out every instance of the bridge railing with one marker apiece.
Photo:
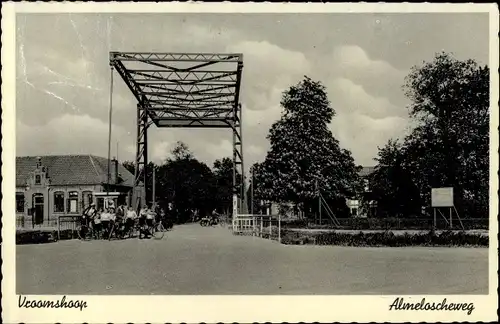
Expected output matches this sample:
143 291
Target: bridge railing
265 226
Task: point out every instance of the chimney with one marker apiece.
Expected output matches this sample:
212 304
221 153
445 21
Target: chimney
114 171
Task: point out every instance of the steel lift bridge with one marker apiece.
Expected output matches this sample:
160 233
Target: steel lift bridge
197 90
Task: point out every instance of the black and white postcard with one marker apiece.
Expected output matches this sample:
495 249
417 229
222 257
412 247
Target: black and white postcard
218 162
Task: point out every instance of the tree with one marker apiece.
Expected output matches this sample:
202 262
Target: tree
450 99
304 155
391 184
181 151
450 144
187 183
223 173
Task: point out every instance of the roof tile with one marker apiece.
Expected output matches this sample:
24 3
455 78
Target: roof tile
70 169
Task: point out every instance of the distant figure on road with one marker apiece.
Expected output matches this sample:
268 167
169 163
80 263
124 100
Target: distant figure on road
215 217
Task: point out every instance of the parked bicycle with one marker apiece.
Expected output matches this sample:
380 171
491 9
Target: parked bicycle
84 229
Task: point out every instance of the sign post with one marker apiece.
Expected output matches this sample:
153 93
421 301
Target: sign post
443 198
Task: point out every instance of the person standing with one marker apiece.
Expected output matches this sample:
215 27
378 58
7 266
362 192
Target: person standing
97 224
142 221
105 221
130 218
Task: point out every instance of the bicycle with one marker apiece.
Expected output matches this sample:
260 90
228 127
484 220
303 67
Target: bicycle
157 230
132 228
85 231
117 231
205 222
222 222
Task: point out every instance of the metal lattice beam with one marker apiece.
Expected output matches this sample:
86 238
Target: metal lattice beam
184 90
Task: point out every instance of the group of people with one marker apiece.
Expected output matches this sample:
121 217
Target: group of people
105 221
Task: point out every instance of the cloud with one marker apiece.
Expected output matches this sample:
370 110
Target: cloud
363 121
62 97
351 57
218 150
349 96
161 151
268 71
363 134
377 77
69 134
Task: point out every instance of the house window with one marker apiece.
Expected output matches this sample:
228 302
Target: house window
19 202
59 202
73 202
38 179
87 198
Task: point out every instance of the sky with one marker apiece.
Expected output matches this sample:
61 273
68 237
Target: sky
63 75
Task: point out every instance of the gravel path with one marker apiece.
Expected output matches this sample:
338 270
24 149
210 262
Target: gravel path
197 260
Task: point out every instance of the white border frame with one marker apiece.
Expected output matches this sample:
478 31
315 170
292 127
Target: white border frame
231 308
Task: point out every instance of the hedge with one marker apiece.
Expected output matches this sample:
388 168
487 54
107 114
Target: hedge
385 223
386 238
35 236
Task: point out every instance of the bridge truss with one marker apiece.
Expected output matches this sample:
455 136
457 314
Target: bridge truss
197 90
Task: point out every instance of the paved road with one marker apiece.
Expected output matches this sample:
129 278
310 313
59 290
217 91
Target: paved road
197 260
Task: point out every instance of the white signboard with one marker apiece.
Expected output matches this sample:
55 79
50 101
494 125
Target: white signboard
442 197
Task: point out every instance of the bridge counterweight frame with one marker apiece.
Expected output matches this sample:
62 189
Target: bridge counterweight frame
184 90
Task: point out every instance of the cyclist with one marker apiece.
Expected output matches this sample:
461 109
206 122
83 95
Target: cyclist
214 218
119 220
87 217
130 218
150 218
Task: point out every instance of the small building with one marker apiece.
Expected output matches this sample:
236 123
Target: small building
59 185
354 204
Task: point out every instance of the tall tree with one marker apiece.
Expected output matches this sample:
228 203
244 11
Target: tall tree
304 155
187 183
449 144
450 99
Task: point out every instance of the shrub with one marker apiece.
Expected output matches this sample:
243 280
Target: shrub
386 238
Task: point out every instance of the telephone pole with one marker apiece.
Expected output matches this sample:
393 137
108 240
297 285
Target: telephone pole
154 187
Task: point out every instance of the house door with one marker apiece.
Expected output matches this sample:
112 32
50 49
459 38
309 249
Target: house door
38 204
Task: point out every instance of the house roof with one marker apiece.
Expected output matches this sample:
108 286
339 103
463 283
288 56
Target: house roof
366 171
70 169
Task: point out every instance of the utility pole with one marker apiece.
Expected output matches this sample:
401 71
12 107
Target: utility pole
109 130
319 201
154 187
251 188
